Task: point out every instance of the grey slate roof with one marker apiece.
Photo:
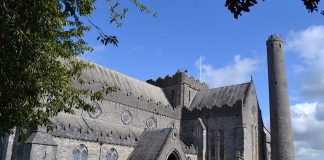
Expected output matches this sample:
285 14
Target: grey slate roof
150 144
128 85
94 126
219 97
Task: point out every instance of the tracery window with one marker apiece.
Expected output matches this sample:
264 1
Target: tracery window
198 132
256 142
112 154
222 145
80 152
95 114
151 123
126 117
213 144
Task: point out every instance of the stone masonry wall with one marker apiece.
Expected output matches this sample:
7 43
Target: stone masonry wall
228 125
191 157
188 94
44 152
95 150
252 138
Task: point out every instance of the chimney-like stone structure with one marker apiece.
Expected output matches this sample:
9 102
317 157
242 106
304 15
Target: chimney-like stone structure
280 119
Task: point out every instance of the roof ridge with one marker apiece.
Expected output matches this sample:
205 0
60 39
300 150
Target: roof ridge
126 84
230 85
105 69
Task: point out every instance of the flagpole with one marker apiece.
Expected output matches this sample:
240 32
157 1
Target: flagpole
200 68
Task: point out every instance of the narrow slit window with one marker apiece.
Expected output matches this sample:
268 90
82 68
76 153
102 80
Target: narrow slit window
213 144
222 145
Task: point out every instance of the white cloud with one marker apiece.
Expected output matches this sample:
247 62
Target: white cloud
308 118
308 129
298 68
320 112
308 45
237 72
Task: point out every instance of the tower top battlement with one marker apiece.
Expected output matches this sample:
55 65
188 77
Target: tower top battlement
178 78
274 37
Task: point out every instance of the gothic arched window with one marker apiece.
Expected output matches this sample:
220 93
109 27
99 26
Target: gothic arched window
112 154
212 144
252 141
222 144
80 152
256 142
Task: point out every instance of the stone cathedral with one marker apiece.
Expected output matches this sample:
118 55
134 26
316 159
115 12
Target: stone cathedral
172 118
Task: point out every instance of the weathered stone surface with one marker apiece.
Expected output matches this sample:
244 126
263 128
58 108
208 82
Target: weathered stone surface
282 147
172 116
157 144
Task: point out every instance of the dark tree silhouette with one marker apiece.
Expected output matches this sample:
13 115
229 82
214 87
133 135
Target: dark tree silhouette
238 6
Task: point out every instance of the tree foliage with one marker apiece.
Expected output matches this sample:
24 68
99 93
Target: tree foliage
38 45
236 7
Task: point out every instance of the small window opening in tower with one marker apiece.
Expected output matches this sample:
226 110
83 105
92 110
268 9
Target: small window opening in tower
189 97
271 45
279 45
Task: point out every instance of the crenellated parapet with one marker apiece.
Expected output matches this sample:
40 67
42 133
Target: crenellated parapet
178 78
213 111
190 149
179 88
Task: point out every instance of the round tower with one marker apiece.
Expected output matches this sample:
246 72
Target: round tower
280 119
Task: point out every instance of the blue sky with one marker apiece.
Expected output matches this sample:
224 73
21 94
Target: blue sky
232 51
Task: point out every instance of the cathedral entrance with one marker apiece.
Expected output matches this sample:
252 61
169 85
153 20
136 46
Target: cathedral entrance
173 156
